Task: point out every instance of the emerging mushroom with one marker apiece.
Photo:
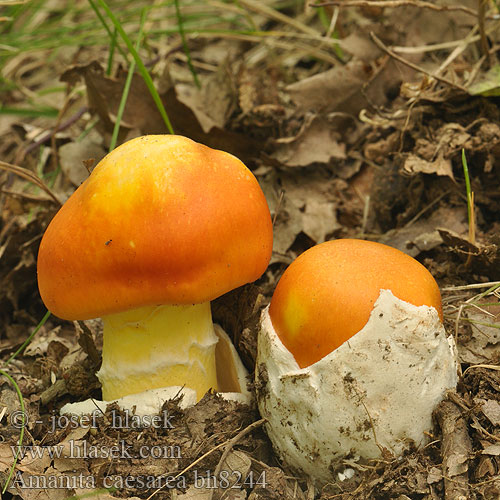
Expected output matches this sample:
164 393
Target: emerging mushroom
162 226
352 356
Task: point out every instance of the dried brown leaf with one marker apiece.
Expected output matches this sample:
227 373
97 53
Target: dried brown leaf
491 410
492 449
440 166
104 94
325 92
316 142
214 102
73 155
423 235
307 204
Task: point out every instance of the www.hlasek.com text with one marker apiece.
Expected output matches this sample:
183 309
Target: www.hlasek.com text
82 449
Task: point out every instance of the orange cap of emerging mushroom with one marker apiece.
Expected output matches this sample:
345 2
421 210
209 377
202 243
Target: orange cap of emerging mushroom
327 294
161 220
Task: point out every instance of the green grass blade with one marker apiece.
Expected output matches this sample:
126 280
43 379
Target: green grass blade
128 82
111 55
106 27
180 24
33 113
466 175
28 340
21 434
140 65
470 198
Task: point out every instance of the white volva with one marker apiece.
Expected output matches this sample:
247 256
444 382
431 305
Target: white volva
231 380
375 391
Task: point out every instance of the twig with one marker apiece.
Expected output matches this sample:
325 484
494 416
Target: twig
26 196
432 47
62 126
55 390
278 206
29 176
426 208
470 287
231 444
265 10
209 452
476 425
233 441
372 425
488 367
270 37
402 60
333 23
474 71
457 324
481 15
189 467
457 51
396 3
455 450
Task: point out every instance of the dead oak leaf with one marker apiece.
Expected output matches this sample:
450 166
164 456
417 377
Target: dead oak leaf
491 410
104 95
325 92
440 166
316 142
302 201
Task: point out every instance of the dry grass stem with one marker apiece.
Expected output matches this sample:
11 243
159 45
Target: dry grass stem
402 60
29 176
470 287
456 52
487 367
229 443
234 440
267 11
268 37
397 3
481 19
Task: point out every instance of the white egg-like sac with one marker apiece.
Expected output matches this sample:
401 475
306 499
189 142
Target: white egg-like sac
376 391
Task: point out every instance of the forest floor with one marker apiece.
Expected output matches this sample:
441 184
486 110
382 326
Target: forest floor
355 117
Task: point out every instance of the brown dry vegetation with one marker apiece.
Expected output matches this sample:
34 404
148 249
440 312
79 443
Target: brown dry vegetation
353 117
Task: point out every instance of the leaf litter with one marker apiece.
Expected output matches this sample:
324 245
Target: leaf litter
353 117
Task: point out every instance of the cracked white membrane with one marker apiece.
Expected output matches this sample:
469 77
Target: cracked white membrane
375 391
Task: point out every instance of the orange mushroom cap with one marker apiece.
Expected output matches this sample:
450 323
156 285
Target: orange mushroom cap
327 294
161 220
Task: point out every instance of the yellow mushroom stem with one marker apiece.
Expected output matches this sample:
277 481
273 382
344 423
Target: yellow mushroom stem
158 346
